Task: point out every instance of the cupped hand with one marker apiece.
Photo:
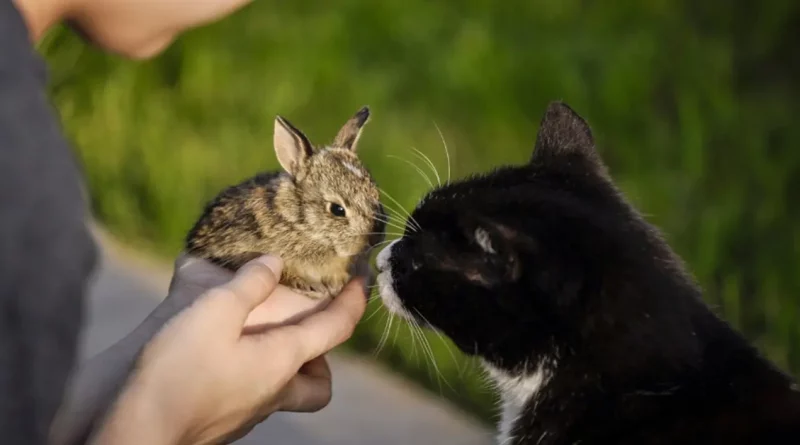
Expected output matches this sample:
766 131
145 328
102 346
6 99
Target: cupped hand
194 276
204 379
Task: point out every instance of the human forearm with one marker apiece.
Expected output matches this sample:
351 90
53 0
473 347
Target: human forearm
138 417
98 382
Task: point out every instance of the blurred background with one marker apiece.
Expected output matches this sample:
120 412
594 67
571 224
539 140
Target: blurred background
694 106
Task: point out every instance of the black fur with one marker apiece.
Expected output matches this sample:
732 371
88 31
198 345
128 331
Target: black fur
577 285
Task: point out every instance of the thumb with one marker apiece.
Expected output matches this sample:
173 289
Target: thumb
251 286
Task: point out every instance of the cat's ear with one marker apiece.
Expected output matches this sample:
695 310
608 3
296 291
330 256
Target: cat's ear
497 259
564 135
351 131
291 145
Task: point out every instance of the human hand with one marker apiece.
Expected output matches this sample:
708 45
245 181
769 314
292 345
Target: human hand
194 276
201 380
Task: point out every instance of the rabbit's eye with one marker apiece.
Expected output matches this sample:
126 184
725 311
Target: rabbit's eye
336 209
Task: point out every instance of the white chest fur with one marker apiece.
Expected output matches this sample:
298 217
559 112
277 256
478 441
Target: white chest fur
516 392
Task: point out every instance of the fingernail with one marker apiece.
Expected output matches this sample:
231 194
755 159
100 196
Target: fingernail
185 262
274 263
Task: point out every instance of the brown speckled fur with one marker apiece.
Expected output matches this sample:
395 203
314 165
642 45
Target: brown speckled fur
288 213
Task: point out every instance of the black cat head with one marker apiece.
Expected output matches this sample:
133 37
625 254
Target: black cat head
521 260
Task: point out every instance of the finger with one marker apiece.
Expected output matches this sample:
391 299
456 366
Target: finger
317 367
194 275
323 331
239 433
251 285
306 394
283 307
362 268
187 262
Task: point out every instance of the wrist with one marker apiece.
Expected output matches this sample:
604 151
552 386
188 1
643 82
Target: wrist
139 417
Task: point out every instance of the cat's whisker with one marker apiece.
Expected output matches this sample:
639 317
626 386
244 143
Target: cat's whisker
410 218
391 207
389 217
390 223
414 329
424 157
394 225
396 331
446 151
385 319
429 351
444 342
471 362
397 213
413 344
380 244
398 216
436 364
488 385
385 336
377 233
384 242
399 209
375 302
419 170
377 309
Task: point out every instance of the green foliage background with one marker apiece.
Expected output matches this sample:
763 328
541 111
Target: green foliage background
694 106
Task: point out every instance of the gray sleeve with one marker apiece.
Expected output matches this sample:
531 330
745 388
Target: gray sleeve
46 251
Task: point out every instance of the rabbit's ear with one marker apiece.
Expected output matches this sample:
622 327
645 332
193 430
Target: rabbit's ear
291 145
351 131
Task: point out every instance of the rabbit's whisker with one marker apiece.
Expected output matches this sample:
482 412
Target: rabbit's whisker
424 157
419 170
446 151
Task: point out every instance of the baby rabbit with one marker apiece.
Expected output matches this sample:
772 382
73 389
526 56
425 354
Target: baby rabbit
319 215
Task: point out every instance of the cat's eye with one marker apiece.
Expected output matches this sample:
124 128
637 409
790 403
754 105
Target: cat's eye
336 209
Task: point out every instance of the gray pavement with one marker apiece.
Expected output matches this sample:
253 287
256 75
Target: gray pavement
369 405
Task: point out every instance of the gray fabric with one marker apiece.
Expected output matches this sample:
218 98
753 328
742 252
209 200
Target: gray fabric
46 250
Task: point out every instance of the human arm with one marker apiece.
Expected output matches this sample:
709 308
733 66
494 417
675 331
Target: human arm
97 383
202 381
47 253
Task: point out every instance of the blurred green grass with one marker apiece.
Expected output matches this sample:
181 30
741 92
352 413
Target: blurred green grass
693 107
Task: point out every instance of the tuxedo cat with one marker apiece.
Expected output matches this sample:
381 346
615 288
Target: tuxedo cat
580 312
